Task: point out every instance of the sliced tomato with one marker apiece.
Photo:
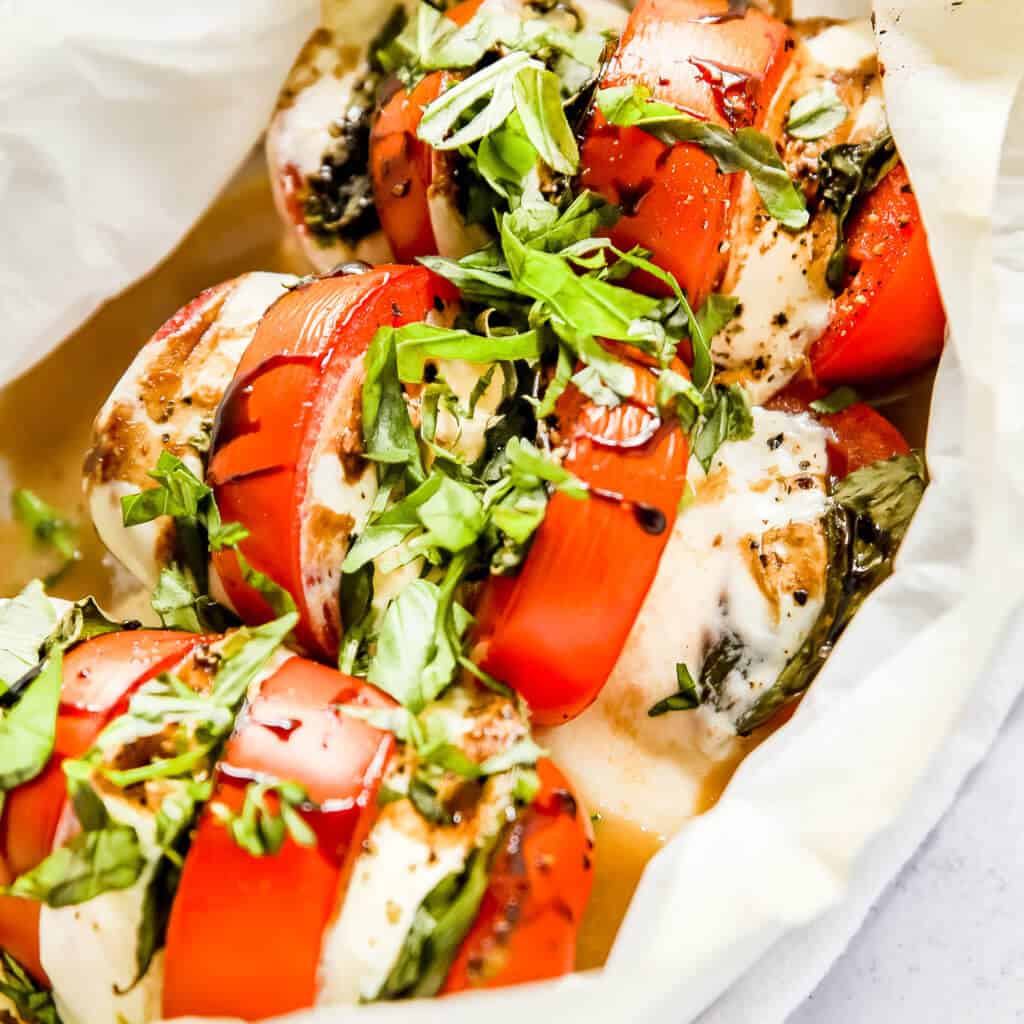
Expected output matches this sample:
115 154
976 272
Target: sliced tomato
889 320
715 66
98 677
555 630
245 932
540 882
404 169
292 414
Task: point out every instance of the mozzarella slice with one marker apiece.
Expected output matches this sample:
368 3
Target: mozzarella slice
740 561
779 276
88 950
167 399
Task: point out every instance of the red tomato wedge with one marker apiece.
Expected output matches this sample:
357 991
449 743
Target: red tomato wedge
293 412
98 677
554 631
540 882
889 320
708 63
405 170
245 932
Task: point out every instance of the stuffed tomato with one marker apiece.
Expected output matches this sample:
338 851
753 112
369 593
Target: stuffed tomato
225 794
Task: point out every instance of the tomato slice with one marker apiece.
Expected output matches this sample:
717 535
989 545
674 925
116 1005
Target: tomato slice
716 66
554 631
889 320
98 677
245 932
540 882
403 168
290 420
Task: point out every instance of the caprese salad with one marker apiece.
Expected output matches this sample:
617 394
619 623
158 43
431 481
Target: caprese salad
557 459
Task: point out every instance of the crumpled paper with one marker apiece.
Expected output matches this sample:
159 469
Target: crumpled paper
741 914
119 122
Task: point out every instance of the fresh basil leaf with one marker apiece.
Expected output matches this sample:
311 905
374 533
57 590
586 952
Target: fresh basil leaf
440 125
684 699
527 467
730 419
538 101
91 863
244 656
388 434
33 1004
745 150
816 113
679 396
416 343
175 600
453 516
28 729
716 313
47 526
847 173
505 158
179 493
261 829
835 401
26 622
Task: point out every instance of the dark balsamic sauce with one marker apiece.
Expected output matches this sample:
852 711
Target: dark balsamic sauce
649 518
731 89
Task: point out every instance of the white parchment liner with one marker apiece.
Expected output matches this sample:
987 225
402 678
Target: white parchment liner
750 903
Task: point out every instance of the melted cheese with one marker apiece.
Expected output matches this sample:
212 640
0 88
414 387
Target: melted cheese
763 496
777 275
196 361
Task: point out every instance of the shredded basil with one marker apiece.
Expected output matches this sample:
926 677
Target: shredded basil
746 150
729 419
816 113
835 401
686 697
34 1004
261 828
847 173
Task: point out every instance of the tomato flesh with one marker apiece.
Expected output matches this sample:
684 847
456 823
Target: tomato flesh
245 932
674 200
540 882
554 631
889 320
98 677
302 375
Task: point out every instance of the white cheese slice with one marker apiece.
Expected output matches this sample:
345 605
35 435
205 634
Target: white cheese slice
768 490
88 950
849 46
392 877
196 362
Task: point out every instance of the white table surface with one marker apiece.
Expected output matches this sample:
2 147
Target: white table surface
945 944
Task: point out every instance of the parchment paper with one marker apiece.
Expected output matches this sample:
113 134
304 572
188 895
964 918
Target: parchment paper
750 903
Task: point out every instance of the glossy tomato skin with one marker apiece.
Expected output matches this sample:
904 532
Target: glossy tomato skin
554 631
540 882
674 200
245 932
889 320
300 377
99 676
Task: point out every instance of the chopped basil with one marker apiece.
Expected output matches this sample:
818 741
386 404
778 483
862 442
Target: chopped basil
33 1004
746 150
388 435
179 598
717 311
26 622
684 699
816 113
678 396
539 105
416 343
28 729
729 419
48 527
260 829
835 401
848 172
93 862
